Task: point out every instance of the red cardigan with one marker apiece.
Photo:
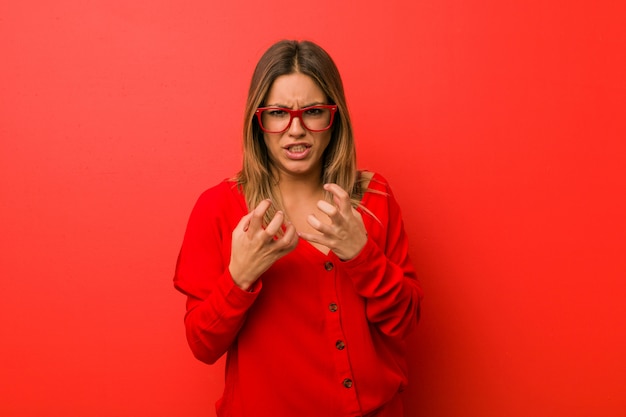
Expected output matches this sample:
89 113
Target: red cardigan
317 336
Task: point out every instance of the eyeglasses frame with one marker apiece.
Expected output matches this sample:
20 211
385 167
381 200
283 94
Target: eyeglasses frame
297 113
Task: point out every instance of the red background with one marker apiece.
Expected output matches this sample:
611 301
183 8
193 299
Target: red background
500 125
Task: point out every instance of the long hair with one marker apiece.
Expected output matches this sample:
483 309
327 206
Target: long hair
339 164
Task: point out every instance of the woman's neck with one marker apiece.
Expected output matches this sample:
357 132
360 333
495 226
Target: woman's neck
298 184
300 187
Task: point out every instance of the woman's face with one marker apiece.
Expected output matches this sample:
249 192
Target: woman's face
296 152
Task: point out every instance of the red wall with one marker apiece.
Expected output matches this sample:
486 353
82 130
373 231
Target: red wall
501 126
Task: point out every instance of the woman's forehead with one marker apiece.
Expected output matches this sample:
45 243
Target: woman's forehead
295 89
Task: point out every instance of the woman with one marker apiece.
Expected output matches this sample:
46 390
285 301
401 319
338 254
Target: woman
298 268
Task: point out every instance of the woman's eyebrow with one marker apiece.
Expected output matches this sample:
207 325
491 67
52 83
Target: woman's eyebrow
284 106
315 103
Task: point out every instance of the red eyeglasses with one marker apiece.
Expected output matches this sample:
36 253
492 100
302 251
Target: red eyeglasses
314 118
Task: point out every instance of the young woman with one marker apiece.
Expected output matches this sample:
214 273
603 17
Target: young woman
298 268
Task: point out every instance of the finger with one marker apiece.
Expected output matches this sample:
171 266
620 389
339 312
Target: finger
357 214
340 197
312 237
256 220
290 238
327 208
244 223
318 225
274 225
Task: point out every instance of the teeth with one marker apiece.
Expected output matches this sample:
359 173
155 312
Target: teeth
297 148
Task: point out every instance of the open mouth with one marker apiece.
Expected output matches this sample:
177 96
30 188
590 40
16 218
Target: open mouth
299 148
297 151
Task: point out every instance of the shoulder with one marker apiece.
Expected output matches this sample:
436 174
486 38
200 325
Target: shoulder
380 208
378 196
373 181
223 189
226 195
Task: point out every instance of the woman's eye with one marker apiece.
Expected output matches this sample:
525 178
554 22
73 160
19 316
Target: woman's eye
277 113
314 112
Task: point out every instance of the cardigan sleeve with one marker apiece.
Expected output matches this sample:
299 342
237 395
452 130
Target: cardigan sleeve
382 272
216 307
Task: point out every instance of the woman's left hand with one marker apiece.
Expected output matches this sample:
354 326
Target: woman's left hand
346 234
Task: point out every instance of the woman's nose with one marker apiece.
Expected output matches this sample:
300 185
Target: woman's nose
296 128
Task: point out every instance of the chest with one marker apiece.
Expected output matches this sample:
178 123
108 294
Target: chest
298 214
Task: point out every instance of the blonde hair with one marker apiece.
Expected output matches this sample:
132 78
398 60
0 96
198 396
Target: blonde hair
339 165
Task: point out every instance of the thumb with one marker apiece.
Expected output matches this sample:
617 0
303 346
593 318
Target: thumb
244 223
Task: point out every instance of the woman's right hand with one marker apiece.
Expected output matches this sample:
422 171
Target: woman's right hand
255 249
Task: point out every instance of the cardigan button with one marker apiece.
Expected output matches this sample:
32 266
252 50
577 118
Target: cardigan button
340 345
329 266
347 383
333 307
